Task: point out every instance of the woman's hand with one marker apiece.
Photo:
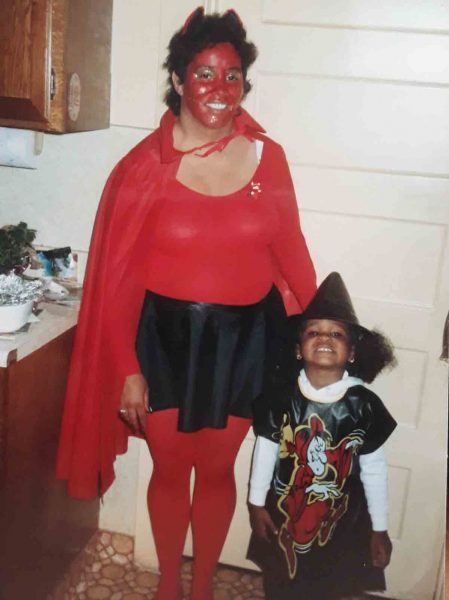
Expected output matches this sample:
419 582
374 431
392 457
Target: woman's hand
261 522
134 402
380 548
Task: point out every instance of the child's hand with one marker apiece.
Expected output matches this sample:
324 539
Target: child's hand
380 548
261 522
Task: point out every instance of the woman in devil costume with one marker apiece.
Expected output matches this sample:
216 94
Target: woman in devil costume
196 232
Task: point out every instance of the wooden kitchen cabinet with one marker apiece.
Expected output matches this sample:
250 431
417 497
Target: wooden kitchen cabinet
41 528
55 64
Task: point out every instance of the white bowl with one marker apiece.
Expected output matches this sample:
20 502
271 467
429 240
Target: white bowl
15 316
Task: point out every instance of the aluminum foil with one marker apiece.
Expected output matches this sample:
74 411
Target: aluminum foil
15 290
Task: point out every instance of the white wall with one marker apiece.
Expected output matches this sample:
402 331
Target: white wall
60 197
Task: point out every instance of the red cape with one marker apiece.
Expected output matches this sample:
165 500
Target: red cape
92 433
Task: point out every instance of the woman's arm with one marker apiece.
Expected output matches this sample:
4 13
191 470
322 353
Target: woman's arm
121 322
289 246
121 329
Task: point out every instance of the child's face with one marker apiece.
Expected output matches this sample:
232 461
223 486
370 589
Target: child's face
325 344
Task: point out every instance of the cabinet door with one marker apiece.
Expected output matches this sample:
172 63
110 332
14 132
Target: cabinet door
42 529
25 28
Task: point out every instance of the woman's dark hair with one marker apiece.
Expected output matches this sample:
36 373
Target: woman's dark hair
373 352
205 31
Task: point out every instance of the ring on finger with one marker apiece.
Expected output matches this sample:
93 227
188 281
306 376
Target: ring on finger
123 411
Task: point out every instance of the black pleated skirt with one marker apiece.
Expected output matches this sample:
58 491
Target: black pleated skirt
207 360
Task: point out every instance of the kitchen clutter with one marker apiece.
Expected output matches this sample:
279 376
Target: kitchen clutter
17 297
28 275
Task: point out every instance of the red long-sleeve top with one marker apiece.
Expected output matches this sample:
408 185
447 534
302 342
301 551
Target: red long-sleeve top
221 249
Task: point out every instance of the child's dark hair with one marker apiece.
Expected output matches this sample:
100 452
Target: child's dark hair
205 31
373 352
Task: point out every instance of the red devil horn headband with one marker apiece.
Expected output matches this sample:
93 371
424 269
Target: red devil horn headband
231 13
196 13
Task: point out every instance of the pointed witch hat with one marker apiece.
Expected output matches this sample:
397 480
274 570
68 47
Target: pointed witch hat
332 301
373 350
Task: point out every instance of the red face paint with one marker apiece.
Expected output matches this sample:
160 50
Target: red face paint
213 86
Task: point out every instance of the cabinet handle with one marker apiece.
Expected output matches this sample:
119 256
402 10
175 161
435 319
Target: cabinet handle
52 84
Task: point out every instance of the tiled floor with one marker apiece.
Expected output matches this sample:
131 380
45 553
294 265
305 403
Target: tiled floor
105 571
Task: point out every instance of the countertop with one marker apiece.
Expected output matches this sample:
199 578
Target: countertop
54 319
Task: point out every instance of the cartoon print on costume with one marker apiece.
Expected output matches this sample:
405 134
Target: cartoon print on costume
313 501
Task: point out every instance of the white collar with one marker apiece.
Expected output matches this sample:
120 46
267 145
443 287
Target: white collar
329 393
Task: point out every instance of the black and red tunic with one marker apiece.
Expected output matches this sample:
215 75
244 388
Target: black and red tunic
317 500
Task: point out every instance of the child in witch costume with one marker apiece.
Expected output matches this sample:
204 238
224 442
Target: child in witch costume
321 532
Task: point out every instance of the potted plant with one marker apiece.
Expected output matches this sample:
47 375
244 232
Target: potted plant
15 247
17 295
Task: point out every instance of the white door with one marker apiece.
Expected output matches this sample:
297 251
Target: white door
357 93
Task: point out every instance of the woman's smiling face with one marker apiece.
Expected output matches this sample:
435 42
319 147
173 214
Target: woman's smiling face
326 344
213 86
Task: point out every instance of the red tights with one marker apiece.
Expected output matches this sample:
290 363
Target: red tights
211 453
